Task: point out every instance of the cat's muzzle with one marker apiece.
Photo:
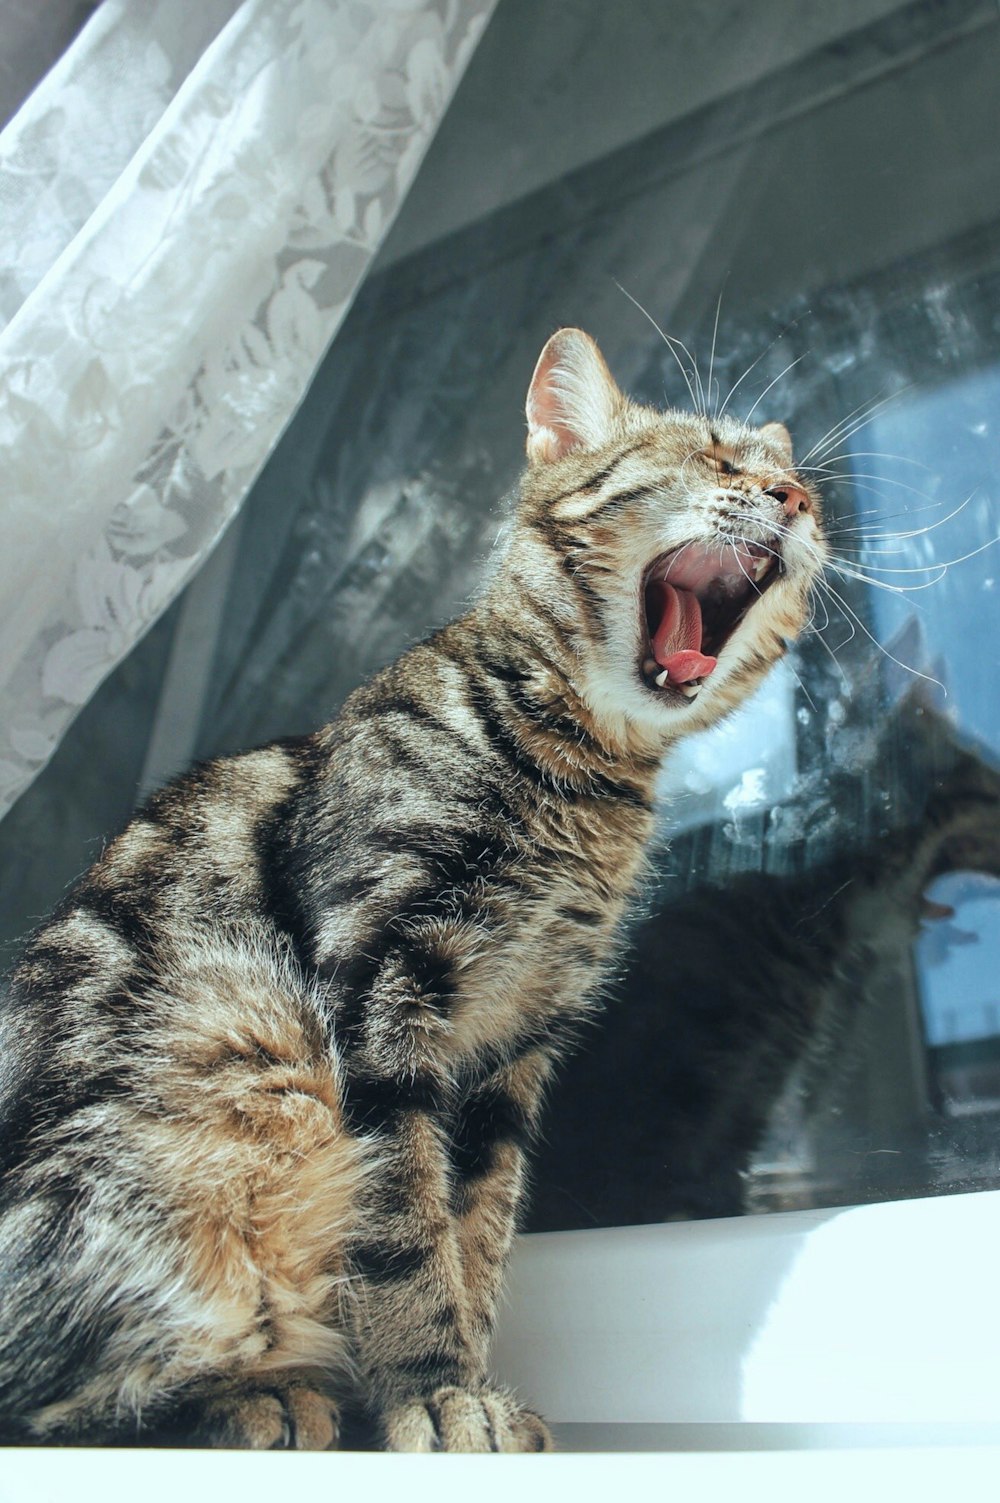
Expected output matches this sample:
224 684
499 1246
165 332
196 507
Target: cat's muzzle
694 599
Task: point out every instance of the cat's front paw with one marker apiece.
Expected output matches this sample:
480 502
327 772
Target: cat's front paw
464 1419
280 1418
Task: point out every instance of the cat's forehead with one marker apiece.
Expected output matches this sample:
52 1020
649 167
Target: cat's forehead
679 435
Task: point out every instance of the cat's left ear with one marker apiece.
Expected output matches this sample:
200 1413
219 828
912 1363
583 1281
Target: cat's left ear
778 436
572 400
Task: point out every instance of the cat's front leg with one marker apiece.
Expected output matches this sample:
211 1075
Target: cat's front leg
422 1339
492 1129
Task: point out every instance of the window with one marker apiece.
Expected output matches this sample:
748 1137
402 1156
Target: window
811 203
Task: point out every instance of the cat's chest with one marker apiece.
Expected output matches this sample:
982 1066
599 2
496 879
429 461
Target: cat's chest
548 947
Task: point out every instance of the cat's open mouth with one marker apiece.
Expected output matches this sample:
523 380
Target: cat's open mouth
695 598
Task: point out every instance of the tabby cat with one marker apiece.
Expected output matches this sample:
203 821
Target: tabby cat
268 1075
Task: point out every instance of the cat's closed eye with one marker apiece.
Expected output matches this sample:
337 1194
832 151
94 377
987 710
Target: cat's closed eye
721 465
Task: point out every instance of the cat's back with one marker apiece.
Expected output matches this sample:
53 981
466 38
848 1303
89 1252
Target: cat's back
196 854
155 940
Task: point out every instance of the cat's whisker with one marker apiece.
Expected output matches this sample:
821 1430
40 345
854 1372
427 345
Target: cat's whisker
865 530
754 580
808 627
943 564
828 472
669 340
852 616
859 418
848 572
856 427
864 551
790 366
817 601
739 381
754 363
821 639
830 433
679 554
852 522
856 479
917 532
849 568
711 358
882 480
878 454
853 423
795 675
862 532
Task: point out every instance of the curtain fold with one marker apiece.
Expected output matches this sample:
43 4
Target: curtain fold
188 213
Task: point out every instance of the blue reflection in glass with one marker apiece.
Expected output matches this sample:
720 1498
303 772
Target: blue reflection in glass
936 504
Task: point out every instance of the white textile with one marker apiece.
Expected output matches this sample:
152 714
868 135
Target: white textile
188 204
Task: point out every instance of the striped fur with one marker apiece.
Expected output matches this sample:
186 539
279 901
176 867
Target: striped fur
269 1074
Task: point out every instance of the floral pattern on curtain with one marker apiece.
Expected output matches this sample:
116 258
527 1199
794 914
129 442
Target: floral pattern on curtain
188 213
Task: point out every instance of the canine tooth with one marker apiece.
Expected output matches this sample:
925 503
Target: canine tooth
761 567
661 678
689 690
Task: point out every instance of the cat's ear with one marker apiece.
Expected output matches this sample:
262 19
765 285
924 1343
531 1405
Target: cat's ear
572 400
778 436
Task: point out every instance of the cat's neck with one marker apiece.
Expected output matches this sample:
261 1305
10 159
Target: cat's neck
538 671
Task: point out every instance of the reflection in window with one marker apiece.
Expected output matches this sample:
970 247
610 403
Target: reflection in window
940 495
958 969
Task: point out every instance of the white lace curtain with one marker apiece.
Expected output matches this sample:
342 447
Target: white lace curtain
188 204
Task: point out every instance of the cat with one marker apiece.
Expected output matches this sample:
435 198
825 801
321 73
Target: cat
269 1074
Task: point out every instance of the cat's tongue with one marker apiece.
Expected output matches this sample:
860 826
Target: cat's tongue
676 643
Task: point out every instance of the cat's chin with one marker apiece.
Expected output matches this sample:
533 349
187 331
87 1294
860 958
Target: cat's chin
694 601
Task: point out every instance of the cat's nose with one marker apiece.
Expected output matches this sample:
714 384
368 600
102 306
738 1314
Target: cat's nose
791 498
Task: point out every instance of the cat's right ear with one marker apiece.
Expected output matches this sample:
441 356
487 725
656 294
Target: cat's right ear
779 438
572 400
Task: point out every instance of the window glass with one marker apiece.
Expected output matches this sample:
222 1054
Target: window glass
811 1009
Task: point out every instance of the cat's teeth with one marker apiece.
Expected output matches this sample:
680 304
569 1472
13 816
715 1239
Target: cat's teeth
689 690
760 568
663 678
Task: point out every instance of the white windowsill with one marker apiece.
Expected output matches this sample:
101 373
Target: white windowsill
872 1315
801 1354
